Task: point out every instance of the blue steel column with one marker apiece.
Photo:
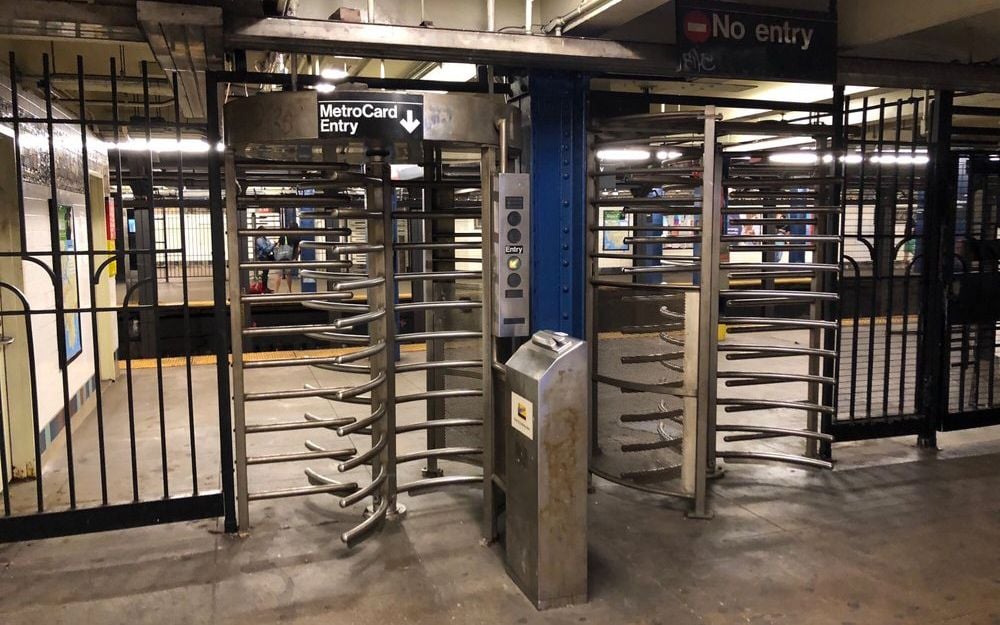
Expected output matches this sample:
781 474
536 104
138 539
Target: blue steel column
558 166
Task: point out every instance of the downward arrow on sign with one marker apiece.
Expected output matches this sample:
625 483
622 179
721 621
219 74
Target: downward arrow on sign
409 123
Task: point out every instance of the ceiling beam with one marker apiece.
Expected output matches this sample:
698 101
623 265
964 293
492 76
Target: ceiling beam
867 22
186 39
917 74
594 56
439 44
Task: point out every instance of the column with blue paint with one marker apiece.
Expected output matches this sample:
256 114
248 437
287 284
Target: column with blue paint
556 118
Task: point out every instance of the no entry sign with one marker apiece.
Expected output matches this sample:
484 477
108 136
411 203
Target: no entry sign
372 115
696 26
740 41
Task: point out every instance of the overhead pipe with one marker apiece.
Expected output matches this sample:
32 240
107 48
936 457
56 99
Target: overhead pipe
586 10
491 15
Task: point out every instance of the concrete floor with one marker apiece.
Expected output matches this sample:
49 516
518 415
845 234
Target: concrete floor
892 535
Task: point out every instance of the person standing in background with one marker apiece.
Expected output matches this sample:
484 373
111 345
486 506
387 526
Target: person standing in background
264 252
288 250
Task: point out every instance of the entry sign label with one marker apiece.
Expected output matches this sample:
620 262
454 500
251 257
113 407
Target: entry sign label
739 41
372 115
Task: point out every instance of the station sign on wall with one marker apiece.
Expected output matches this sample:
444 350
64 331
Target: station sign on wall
371 115
731 40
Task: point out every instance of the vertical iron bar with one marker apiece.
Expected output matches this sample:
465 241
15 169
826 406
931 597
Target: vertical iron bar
151 203
992 332
124 337
830 283
57 272
858 234
939 231
4 482
29 334
891 247
909 233
876 268
16 114
184 288
219 302
92 280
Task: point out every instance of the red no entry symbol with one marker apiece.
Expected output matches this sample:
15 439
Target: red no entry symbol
696 26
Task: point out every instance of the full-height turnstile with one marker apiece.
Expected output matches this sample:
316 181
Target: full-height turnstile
701 246
654 282
395 243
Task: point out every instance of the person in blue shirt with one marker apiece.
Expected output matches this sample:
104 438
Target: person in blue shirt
264 251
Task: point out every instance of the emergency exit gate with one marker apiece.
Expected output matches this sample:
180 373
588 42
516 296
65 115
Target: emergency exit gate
918 322
83 315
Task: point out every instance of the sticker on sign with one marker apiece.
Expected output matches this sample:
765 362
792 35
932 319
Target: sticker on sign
372 115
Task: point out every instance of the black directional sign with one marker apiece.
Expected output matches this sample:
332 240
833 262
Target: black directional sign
372 115
727 39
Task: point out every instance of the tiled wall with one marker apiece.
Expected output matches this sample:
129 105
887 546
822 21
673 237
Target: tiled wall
37 285
41 295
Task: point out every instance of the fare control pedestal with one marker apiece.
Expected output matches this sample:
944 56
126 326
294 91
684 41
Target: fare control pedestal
546 436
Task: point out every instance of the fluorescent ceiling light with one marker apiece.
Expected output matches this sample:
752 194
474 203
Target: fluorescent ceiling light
406 171
668 155
794 158
627 154
161 145
851 159
333 73
451 72
324 87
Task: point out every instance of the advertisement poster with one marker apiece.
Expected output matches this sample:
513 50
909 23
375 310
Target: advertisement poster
70 283
614 240
680 221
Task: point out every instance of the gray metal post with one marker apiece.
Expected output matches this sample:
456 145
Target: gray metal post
236 340
708 317
488 170
236 343
383 296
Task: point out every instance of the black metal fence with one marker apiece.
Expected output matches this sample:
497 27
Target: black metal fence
884 180
101 430
919 272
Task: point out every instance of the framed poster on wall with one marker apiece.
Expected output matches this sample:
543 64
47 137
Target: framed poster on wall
70 283
614 240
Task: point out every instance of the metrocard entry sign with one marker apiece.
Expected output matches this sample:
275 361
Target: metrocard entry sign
372 115
740 41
